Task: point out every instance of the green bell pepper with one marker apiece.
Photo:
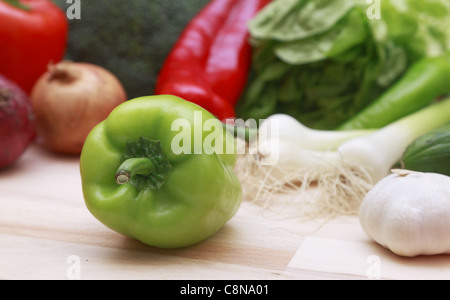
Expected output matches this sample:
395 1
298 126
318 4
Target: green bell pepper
160 169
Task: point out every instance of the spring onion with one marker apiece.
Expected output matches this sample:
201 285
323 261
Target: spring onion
340 178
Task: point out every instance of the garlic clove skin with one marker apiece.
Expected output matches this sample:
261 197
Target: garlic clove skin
409 213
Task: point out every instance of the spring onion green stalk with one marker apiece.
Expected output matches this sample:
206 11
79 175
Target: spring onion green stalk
342 177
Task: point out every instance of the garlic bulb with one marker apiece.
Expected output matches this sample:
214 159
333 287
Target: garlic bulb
409 213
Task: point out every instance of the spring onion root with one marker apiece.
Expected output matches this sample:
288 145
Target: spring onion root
317 184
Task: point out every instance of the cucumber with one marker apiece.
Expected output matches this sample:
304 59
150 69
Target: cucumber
429 153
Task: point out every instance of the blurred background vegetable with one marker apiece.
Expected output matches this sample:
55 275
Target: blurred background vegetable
429 153
129 38
16 122
324 61
210 61
33 33
69 100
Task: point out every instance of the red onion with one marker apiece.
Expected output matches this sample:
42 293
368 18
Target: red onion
16 122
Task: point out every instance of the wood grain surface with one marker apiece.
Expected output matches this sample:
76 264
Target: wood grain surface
46 232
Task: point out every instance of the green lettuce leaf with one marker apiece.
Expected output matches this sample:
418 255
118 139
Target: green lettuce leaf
323 61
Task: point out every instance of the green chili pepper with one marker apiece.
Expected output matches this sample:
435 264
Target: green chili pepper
423 83
160 169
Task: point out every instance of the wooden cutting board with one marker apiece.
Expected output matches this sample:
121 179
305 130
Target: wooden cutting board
46 232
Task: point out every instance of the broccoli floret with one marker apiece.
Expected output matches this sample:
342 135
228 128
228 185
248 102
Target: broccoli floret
129 38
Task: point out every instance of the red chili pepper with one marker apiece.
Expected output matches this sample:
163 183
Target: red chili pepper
210 62
33 33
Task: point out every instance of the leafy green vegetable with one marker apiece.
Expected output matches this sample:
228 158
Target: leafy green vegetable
323 61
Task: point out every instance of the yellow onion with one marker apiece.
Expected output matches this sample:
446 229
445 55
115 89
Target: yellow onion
69 100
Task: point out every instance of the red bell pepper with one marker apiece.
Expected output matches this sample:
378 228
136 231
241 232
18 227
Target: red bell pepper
33 33
210 62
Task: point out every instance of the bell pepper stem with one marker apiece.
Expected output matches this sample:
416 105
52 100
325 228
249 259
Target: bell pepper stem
133 166
16 3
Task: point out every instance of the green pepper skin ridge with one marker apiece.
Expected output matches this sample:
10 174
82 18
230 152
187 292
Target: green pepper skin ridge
201 193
